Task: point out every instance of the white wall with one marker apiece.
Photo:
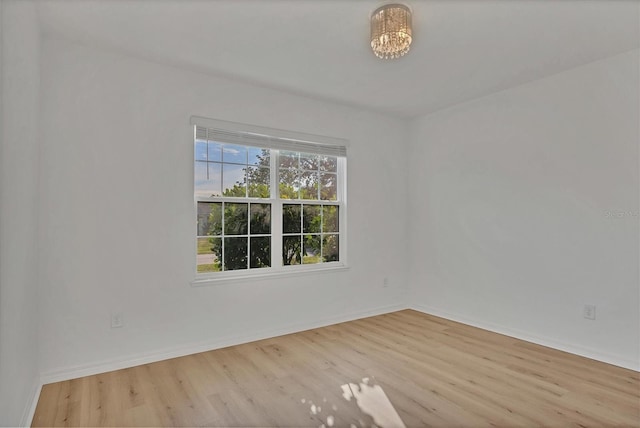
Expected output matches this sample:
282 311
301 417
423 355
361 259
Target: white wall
19 374
509 218
117 221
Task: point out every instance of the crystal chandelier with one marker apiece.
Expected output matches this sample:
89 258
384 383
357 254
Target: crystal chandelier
391 31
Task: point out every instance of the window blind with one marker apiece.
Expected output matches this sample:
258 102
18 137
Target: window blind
250 135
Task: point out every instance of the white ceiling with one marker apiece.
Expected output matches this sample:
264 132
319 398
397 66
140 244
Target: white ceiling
461 50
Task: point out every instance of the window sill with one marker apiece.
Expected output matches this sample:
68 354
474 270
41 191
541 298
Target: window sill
232 277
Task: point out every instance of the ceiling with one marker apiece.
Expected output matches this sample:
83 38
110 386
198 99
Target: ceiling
461 50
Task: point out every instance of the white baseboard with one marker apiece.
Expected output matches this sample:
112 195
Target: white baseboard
193 348
30 407
523 335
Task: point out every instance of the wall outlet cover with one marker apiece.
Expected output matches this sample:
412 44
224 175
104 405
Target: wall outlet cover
590 312
117 320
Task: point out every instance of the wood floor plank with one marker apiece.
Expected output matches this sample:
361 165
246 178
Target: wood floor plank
403 368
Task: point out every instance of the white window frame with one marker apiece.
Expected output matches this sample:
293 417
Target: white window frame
291 141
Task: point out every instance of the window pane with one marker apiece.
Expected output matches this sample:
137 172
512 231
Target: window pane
329 187
330 218
205 246
209 251
328 163
260 218
215 152
235 253
289 184
309 185
258 179
234 181
235 219
311 218
260 252
308 161
289 160
258 157
209 218
201 150
207 179
234 154
330 250
311 249
291 220
291 250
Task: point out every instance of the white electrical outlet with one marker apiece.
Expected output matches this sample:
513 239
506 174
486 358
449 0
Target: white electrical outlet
590 312
117 320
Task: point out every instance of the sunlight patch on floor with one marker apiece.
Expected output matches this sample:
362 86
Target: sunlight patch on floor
372 401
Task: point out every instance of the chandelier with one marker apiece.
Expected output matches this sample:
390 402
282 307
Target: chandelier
391 31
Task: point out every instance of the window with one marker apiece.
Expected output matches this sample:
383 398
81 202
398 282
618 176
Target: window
267 201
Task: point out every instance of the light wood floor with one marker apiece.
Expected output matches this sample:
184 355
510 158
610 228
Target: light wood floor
400 369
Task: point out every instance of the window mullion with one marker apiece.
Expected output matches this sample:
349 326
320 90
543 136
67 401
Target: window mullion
222 261
276 213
